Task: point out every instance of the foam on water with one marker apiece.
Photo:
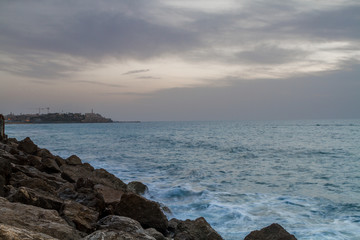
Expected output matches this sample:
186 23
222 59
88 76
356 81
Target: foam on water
240 176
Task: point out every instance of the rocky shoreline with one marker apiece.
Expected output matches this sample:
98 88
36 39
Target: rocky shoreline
43 196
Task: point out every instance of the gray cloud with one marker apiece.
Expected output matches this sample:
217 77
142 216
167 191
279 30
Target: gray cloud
136 71
267 54
148 77
40 35
99 83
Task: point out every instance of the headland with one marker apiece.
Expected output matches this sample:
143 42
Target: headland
57 118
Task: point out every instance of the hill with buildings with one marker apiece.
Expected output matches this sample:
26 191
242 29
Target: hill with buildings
57 118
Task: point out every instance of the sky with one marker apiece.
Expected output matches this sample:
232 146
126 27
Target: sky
183 60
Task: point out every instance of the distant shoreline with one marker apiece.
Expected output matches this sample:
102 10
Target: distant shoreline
26 123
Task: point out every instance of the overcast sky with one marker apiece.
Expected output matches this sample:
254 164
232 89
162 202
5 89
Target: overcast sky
182 59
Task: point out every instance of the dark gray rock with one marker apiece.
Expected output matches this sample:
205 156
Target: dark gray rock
28 146
31 197
49 165
137 187
79 216
155 234
198 229
73 160
272 232
147 212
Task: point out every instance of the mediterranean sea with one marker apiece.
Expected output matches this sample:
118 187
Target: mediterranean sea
241 176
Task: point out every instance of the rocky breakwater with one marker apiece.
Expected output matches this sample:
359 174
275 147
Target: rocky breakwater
43 196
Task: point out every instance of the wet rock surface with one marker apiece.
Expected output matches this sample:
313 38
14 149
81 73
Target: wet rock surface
43 196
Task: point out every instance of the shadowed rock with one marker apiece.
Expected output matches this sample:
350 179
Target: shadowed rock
137 187
198 229
272 232
79 216
28 146
155 234
73 160
147 212
40 199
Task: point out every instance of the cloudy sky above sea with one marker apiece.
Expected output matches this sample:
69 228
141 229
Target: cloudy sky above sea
182 59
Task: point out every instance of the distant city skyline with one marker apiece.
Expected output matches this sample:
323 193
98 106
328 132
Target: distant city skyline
153 60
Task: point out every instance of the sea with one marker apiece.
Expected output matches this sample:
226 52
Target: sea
240 175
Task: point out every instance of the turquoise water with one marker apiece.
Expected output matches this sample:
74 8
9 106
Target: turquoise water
241 176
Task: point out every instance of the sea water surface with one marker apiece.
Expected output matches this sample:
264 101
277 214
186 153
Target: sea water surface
240 176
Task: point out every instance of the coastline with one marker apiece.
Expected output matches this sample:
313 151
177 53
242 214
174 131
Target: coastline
88 202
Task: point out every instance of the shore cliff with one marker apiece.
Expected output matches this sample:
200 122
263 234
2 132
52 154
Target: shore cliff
43 196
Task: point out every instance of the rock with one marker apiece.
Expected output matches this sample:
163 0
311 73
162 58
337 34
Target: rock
104 177
198 229
85 196
110 195
72 173
28 146
272 232
34 161
147 212
5 168
49 165
19 179
155 234
59 160
36 219
137 187
2 185
73 160
52 179
6 155
14 233
44 153
120 223
108 234
31 197
84 183
81 217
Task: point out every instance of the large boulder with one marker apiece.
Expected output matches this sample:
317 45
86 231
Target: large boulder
122 223
52 179
110 195
73 160
20 179
82 194
73 173
49 165
147 212
37 220
79 216
272 232
198 229
28 146
108 234
14 233
119 227
40 199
